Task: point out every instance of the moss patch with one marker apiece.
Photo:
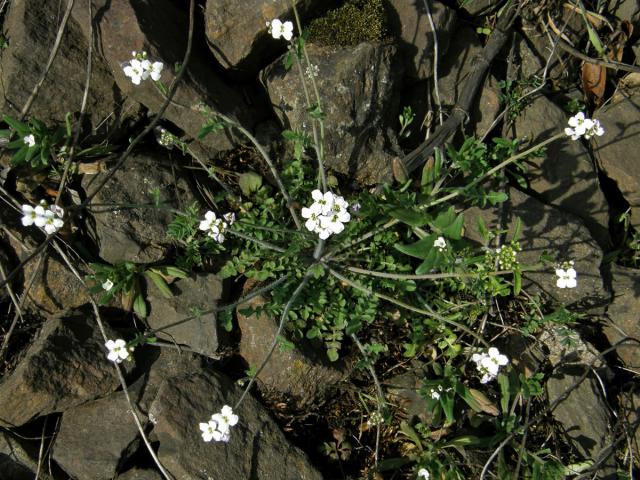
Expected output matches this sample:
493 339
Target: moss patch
355 22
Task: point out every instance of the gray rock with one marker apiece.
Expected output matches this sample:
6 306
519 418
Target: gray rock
584 412
359 91
65 366
623 314
201 292
478 7
160 27
237 31
409 22
139 474
559 234
617 149
30 28
96 438
625 10
257 448
140 234
55 288
300 373
566 176
18 461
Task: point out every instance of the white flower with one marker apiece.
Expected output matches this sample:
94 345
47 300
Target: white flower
49 217
230 418
108 285
208 222
219 427
135 70
566 275
440 243
279 29
327 214
423 473
229 217
29 140
155 70
580 126
33 215
312 71
488 364
210 432
435 395
118 350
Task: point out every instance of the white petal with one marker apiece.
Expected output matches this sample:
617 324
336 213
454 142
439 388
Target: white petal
113 356
317 195
27 220
571 283
110 344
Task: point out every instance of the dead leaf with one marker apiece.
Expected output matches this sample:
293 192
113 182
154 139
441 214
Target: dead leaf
486 405
594 79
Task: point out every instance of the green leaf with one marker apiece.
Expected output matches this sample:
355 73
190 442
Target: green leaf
497 197
160 283
140 306
288 61
410 217
249 182
517 282
333 355
505 392
433 259
392 464
419 249
171 271
316 112
446 401
21 128
449 224
225 318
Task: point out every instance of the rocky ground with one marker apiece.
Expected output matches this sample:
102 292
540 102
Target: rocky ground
63 411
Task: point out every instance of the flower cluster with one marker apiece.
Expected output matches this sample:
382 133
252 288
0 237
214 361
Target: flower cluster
423 474
219 427
45 216
279 29
435 393
166 138
118 350
505 256
440 243
140 68
489 363
580 126
215 227
566 275
107 285
327 215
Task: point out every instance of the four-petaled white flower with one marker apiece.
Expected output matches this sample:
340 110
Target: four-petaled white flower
218 428
44 216
214 226
566 275
580 126
327 214
139 68
107 285
29 140
423 474
118 350
155 70
279 29
440 243
488 364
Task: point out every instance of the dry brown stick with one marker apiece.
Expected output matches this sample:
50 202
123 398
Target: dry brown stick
83 106
460 112
52 56
597 61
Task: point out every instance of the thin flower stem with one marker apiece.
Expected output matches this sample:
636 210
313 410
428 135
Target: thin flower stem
450 196
432 276
211 173
283 319
262 243
319 144
436 91
123 383
381 400
406 306
230 306
268 161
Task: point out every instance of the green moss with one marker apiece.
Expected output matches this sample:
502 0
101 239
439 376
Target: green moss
356 21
